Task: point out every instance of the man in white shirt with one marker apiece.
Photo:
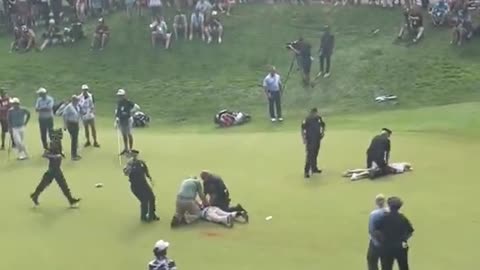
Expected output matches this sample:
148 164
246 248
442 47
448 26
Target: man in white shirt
71 119
180 24
160 32
87 110
197 24
393 168
272 85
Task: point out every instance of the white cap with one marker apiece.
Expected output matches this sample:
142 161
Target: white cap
41 90
84 87
161 245
121 92
100 20
214 13
51 21
15 100
380 197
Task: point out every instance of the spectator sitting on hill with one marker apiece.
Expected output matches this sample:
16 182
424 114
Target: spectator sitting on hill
52 36
463 29
197 24
27 39
214 28
413 26
224 6
17 35
160 32
101 35
440 12
180 24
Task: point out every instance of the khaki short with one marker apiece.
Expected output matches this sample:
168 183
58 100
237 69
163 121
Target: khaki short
188 209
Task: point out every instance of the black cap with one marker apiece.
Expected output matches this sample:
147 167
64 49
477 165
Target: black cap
133 151
394 203
387 130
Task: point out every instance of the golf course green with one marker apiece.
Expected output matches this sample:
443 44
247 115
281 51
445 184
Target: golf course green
320 223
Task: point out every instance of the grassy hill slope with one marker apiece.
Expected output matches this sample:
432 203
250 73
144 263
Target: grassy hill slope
195 80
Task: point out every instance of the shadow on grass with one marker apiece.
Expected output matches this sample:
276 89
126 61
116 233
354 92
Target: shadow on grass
50 216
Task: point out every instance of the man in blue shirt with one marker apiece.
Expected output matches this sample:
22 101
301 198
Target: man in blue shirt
272 85
71 119
374 248
44 108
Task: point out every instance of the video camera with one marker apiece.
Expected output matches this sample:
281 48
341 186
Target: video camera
291 45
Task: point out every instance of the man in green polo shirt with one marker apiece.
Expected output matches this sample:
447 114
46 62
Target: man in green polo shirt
187 208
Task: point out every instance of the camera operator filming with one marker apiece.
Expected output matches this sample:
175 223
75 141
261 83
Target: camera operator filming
302 50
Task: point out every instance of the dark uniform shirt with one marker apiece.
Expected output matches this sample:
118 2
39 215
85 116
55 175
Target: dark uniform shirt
313 128
395 229
137 171
326 44
124 110
54 156
416 20
214 186
379 146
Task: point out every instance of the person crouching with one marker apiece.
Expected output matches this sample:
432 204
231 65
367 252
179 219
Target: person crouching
160 32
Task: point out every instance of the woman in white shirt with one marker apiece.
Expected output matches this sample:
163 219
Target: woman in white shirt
87 109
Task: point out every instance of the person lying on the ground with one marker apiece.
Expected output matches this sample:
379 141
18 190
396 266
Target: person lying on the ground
180 24
52 36
413 26
394 168
101 35
226 118
160 32
440 12
214 27
217 192
216 215
197 24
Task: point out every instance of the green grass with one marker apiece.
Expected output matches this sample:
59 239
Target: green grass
317 224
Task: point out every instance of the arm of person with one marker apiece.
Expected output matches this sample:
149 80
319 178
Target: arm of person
147 172
264 84
9 121
387 152
303 131
408 229
323 127
201 194
27 116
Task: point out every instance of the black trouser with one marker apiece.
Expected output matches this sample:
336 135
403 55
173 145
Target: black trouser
46 126
224 204
4 131
146 197
390 255
50 175
73 128
325 63
373 256
312 148
274 104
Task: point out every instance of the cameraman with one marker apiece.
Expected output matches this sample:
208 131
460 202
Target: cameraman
302 50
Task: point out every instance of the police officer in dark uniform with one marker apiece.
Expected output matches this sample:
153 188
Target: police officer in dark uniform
54 171
313 130
393 230
137 172
379 152
218 193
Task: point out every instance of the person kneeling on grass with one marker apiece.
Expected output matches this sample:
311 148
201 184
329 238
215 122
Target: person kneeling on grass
52 36
214 28
216 215
160 32
101 35
180 24
187 209
375 171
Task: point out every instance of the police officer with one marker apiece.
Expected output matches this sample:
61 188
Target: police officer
54 171
394 230
218 193
313 130
137 172
379 152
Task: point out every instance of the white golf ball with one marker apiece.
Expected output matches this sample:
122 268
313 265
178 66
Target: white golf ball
268 218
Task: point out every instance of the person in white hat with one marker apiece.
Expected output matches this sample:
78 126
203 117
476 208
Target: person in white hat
101 35
18 118
87 108
161 262
44 108
214 27
124 120
71 119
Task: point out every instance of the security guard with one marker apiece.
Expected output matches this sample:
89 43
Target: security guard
379 151
137 172
54 155
218 193
313 130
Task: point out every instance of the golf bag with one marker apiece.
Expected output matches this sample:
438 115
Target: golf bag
226 118
140 119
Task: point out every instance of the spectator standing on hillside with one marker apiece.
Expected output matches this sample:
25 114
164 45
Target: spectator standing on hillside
327 44
4 107
374 247
71 119
87 109
44 108
272 86
302 51
395 229
18 118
